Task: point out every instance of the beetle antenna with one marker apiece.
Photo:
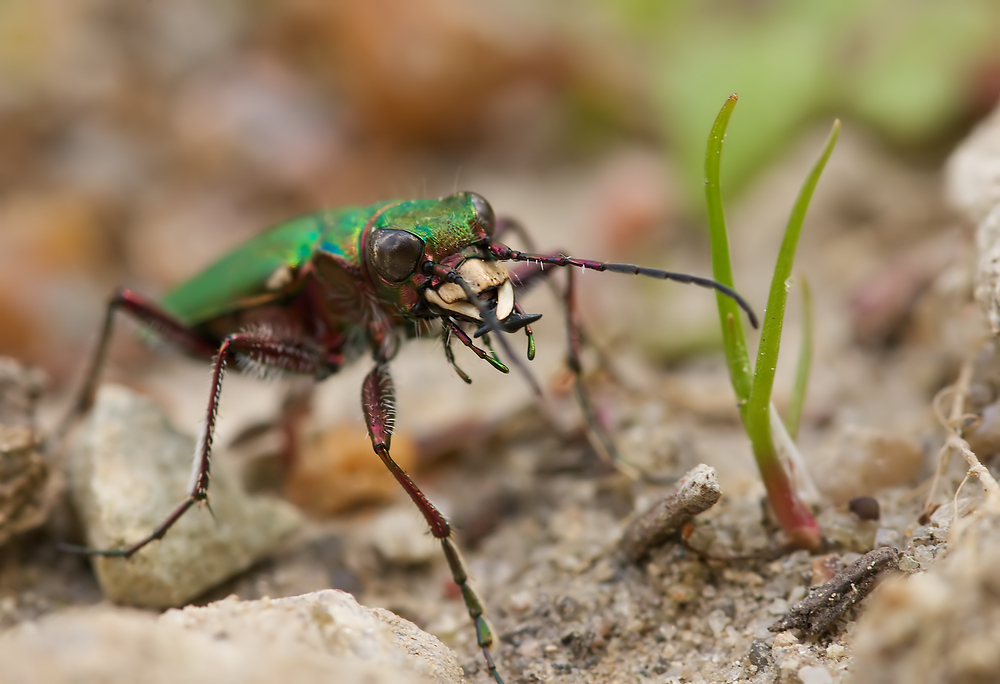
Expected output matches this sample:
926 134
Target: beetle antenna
505 253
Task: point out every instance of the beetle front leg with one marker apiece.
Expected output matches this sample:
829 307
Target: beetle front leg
378 403
290 355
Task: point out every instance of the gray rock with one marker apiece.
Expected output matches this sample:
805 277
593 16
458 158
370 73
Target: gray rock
972 182
129 470
328 621
972 174
320 637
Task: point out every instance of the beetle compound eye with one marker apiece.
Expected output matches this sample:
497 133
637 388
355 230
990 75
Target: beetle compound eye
396 253
484 213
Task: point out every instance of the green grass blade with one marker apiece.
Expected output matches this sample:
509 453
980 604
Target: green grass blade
733 339
804 364
757 421
753 388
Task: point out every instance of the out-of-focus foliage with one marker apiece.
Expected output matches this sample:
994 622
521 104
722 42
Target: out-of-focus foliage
909 68
138 140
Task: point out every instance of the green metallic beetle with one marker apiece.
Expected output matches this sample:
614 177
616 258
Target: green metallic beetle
316 292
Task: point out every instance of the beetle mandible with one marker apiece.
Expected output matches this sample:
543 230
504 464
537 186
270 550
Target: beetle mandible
316 292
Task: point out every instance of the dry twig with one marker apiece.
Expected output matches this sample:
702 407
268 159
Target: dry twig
953 425
696 492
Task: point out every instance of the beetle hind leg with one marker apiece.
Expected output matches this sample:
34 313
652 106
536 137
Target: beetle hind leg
146 312
288 355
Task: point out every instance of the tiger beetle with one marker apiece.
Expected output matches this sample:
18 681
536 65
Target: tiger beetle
314 293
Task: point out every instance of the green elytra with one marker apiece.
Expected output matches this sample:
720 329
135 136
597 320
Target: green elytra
240 278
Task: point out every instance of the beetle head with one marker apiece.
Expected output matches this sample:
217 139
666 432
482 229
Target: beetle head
410 246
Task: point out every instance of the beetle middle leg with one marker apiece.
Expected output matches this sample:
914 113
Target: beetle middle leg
526 276
378 403
258 348
532 269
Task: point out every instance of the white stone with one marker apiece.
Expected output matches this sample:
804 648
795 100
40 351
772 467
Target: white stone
972 174
401 536
128 471
814 674
321 637
972 180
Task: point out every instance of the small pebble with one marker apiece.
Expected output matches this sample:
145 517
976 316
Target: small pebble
401 537
681 593
760 654
567 607
865 507
923 555
128 471
717 622
835 651
814 674
796 594
520 602
530 649
785 639
779 606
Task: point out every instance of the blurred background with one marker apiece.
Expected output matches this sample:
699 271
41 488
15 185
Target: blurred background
138 141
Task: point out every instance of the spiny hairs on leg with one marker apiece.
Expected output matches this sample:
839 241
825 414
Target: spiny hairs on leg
271 352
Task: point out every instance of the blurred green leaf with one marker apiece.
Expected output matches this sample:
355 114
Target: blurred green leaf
919 70
904 66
